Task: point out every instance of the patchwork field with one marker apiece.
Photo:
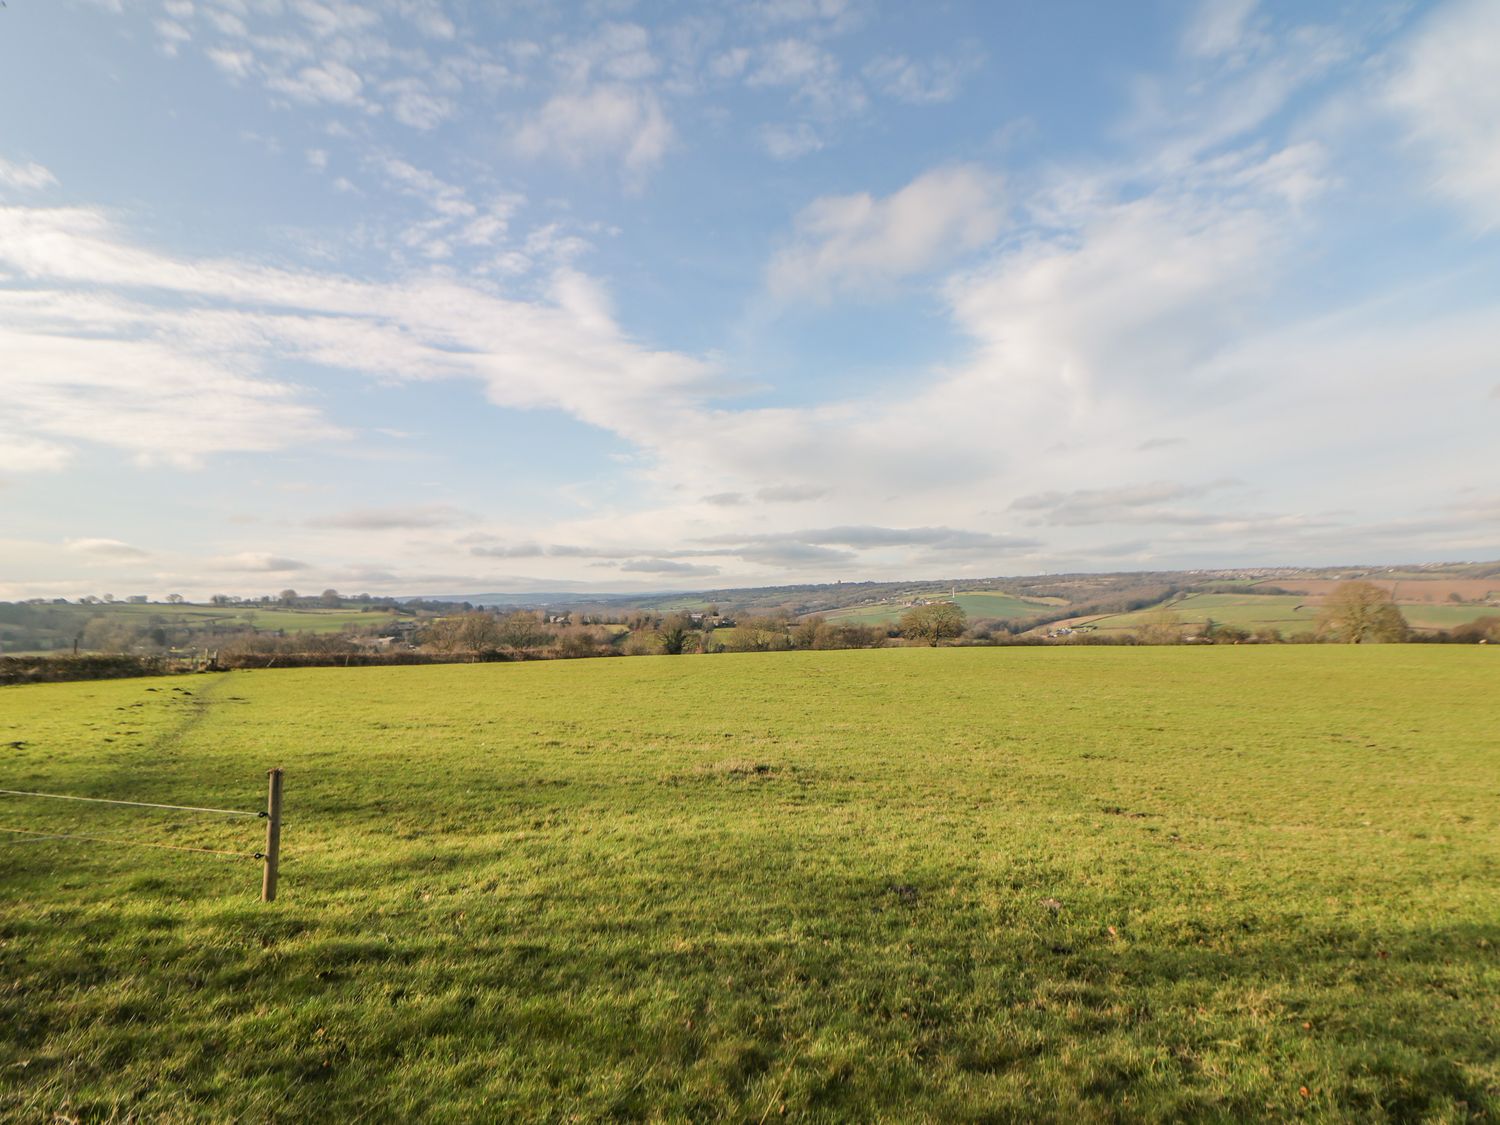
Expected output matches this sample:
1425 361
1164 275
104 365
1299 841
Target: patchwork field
1275 611
269 617
956 884
50 628
1247 611
1415 590
976 606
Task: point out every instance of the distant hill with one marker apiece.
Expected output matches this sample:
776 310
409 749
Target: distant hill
1451 590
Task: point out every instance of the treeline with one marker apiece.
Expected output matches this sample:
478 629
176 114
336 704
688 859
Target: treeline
1356 612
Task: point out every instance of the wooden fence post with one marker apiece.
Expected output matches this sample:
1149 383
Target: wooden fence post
273 837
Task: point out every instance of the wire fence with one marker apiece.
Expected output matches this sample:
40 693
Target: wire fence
271 855
115 801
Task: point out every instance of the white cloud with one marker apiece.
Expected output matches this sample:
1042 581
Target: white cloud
391 519
1445 89
828 16
1142 503
169 367
923 82
729 64
23 453
28 177
1237 73
414 104
331 81
616 52
226 22
812 73
111 549
667 566
1222 28
257 562
788 142
171 35
236 64
66 382
856 241
614 122
442 197
428 17
327 18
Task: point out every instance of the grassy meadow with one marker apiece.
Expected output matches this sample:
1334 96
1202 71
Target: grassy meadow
943 885
1289 613
302 620
1246 611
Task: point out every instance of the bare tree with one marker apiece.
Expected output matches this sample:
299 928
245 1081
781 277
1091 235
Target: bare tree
522 630
1163 627
465 632
933 624
1361 611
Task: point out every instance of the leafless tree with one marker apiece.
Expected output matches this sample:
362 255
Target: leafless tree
1361 611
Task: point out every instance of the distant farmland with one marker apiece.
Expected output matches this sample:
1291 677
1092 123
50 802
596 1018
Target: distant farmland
1247 611
1289 614
302 620
1060 883
976 604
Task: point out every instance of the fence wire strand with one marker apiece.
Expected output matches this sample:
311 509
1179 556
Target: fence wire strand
128 843
138 804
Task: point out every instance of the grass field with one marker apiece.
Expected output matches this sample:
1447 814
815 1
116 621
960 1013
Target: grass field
1289 614
270 617
976 606
1247 611
1445 616
956 884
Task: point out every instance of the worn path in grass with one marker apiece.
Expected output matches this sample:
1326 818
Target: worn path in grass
899 884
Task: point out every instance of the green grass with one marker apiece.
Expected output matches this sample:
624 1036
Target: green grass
1446 616
1247 611
976 606
269 617
1290 614
957 884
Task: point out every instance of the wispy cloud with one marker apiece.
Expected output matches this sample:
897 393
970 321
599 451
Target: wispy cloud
1444 90
389 519
107 549
1143 503
616 122
667 566
857 241
27 177
924 81
169 382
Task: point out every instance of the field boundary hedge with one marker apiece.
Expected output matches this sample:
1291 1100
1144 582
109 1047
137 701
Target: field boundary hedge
58 669
225 662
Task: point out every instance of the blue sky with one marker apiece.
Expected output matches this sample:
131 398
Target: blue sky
445 295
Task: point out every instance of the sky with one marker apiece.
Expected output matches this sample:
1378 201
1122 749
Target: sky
459 296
